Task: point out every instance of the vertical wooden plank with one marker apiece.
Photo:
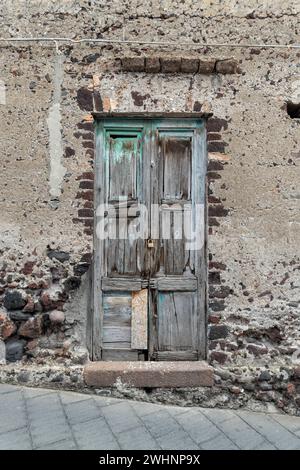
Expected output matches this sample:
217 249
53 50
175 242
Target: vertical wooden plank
199 197
139 320
153 258
153 323
89 323
168 218
97 322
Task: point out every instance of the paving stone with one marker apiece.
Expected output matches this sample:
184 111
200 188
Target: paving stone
12 412
220 442
80 411
70 397
143 409
49 433
36 392
291 423
106 401
15 440
137 439
177 440
120 417
216 415
265 445
272 431
241 433
7 388
176 410
43 402
95 435
12 419
48 423
197 426
47 419
66 444
160 424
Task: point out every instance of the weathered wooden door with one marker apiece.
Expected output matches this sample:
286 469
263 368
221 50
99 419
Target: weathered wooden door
149 275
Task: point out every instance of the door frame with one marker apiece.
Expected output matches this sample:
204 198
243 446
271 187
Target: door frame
130 120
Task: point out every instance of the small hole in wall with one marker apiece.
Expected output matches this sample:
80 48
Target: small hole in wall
293 110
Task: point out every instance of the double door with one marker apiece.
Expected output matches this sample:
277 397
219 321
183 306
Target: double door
149 294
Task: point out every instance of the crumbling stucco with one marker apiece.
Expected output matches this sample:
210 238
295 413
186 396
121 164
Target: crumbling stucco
57 170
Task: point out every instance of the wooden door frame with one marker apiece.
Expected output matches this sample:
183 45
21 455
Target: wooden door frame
129 120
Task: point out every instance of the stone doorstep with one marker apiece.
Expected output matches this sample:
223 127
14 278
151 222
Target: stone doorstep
149 374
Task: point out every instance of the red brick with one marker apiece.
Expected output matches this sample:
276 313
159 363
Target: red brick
189 65
152 65
86 184
226 66
212 222
217 265
87 126
86 195
213 136
170 65
87 175
216 125
207 66
214 318
217 210
88 144
216 146
212 175
85 213
133 64
214 165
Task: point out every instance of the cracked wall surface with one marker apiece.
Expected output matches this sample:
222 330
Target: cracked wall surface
47 151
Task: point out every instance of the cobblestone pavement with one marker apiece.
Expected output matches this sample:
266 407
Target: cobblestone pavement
32 418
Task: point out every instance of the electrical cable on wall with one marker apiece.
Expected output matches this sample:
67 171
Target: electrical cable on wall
149 43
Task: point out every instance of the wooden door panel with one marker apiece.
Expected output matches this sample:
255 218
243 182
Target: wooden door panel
175 258
123 166
124 254
174 155
125 321
177 321
116 320
120 331
175 165
175 305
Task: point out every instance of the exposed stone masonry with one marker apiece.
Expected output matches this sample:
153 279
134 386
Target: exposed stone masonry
177 65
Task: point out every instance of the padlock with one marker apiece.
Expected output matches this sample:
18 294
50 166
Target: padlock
150 243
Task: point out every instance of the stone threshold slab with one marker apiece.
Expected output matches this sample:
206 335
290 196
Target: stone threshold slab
149 374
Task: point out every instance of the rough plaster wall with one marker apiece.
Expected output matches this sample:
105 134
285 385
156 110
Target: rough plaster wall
256 243
57 171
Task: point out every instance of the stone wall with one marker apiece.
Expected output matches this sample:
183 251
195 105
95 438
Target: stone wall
46 179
